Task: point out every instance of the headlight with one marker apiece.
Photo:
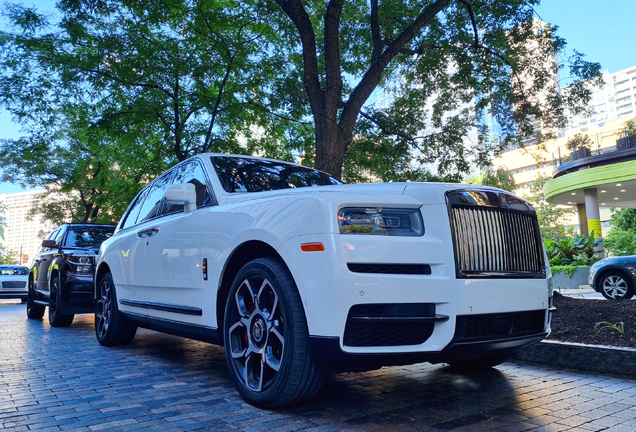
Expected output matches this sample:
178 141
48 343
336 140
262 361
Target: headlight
81 259
81 264
380 221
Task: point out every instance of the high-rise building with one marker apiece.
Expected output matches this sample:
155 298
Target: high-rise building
616 99
22 236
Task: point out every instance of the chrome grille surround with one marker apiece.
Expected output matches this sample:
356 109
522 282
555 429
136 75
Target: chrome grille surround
495 234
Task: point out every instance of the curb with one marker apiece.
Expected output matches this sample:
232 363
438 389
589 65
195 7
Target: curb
590 358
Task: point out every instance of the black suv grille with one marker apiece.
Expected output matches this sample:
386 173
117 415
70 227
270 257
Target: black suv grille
489 326
389 324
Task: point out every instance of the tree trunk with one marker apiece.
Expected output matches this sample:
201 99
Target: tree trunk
331 146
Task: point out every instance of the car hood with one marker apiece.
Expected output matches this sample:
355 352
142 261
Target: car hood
426 193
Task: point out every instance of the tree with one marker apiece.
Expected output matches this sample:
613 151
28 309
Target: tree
499 178
6 256
623 218
115 92
551 217
446 57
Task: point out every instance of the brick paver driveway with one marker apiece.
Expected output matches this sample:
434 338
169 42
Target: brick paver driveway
62 379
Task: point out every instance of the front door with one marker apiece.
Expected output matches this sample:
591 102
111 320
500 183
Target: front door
173 262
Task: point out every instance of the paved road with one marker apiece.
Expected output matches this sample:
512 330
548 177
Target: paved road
62 379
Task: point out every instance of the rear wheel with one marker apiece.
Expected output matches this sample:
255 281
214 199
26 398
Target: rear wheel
111 328
56 318
483 363
267 339
615 286
34 311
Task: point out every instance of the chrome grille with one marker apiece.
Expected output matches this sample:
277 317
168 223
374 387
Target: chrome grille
495 240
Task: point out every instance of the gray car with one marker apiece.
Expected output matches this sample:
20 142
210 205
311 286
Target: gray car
614 277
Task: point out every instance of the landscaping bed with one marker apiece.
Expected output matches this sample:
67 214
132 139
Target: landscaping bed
574 320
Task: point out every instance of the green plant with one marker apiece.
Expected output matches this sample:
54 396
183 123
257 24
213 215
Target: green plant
569 250
567 269
619 242
606 325
629 129
580 141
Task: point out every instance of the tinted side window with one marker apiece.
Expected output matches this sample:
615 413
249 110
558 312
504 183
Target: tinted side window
152 206
60 235
244 174
53 234
194 174
88 236
131 217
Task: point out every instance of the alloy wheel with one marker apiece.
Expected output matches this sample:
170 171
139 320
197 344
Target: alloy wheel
615 286
257 337
103 307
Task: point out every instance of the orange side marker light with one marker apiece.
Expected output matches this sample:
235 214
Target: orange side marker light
312 247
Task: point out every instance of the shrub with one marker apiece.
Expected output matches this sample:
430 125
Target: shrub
568 250
619 242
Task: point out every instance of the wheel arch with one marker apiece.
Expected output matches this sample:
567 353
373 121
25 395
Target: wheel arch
244 253
609 269
102 269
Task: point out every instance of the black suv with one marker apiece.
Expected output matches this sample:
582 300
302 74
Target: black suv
62 273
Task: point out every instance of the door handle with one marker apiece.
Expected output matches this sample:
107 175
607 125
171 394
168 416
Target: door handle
147 232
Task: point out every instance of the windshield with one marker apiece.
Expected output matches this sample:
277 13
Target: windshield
84 236
13 271
238 174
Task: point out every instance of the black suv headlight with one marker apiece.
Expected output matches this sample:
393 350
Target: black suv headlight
81 264
381 221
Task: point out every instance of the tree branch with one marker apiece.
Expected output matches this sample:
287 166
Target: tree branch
297 13
378 44
372 77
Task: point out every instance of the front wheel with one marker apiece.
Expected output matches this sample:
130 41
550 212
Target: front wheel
34 311
111 328
616 286
267 339
56 319
483 363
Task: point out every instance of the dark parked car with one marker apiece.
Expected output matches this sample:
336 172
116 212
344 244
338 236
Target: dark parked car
63 270
614 277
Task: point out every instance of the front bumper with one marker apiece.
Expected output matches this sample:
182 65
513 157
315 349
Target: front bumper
327 351
13 294
78 294
330 289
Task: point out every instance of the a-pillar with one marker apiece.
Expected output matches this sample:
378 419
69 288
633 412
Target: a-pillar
594 220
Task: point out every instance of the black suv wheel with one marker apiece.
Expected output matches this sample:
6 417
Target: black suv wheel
56 318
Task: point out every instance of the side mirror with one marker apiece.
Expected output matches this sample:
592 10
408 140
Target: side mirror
184 194
49 244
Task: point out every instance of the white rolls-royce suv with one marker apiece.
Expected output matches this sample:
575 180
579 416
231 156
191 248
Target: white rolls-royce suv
296 273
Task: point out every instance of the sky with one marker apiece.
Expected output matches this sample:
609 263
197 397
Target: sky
604 31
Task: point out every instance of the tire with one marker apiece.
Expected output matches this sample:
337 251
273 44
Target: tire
34 311
56 318
267 338
111 328
615 285
483 363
